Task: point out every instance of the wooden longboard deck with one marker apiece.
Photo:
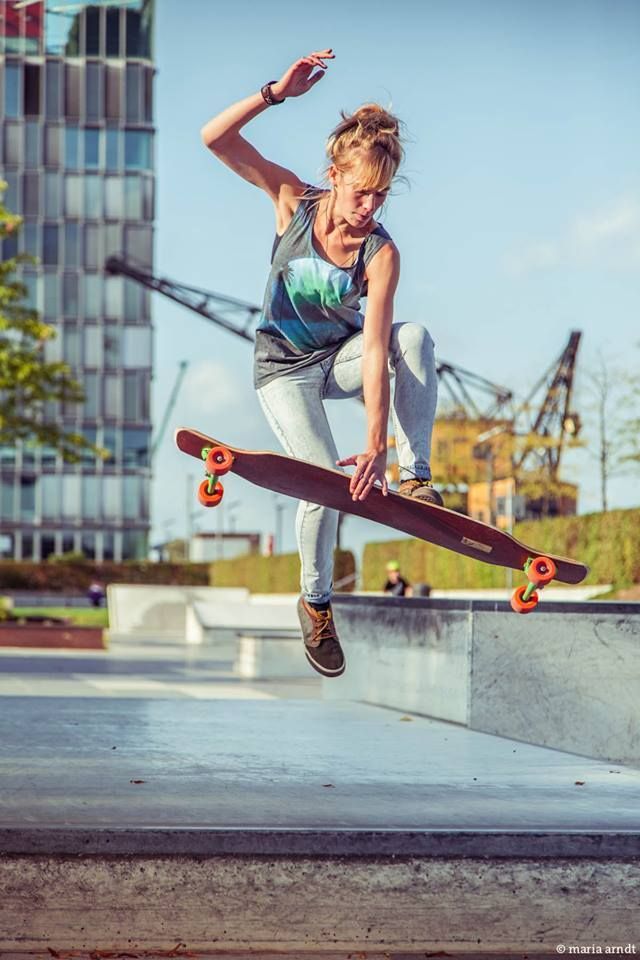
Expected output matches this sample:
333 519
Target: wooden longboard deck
330 488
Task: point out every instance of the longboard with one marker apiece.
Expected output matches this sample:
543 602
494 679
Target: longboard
330 488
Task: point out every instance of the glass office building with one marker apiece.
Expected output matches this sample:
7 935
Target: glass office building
76 94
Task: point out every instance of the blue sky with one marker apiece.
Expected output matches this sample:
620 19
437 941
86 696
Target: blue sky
521 222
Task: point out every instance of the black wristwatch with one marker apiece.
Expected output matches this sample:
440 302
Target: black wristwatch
267 94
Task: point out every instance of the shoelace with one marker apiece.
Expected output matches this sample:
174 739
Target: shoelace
323 625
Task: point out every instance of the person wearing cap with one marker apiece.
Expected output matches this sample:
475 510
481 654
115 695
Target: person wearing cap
396 585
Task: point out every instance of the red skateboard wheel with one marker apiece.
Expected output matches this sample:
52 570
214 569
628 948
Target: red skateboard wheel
541 571
210 498
523 606
219 461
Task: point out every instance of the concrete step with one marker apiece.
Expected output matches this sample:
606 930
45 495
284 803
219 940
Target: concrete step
304 828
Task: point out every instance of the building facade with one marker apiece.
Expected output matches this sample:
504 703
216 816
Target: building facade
77 148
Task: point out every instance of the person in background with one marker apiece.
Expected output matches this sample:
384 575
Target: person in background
396 585
96 594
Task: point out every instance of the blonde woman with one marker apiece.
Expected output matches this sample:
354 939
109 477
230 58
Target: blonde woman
314 343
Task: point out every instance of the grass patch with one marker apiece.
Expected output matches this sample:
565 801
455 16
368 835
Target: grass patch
80 616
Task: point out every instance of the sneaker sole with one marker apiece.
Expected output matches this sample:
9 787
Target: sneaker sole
325 671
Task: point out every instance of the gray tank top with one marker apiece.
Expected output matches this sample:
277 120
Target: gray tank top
310 306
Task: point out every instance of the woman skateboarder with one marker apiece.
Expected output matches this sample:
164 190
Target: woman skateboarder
314 343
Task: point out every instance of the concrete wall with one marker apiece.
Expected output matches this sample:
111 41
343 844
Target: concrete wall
566 676
158 613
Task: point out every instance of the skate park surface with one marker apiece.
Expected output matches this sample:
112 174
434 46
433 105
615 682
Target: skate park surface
152 796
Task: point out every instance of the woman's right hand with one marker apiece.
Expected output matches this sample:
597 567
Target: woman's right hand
299 78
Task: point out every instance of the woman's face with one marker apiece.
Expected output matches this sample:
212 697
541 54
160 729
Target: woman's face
358 206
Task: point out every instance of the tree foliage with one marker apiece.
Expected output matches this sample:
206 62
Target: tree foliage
27 380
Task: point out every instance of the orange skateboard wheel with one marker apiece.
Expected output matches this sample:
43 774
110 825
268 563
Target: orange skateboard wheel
519 604
541 571
210 498
219 461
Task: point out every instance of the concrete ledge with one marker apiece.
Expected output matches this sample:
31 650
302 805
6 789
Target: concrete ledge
138 611
267 656
252 906
566 676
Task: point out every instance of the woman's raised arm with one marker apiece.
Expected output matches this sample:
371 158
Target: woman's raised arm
222 136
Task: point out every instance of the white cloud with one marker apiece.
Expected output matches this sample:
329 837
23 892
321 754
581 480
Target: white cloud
609 236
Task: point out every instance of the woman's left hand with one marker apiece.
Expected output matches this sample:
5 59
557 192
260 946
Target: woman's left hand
370 469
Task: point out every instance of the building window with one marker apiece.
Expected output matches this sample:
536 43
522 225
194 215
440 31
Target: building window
72 148
113 159
7 508
93 197
139 244
50 253
32 102
135 447
52 196
137 149
88 542
113 198
47 545
32 149
90 497
12 90
68 543
73 196
53 90
112 348
27 498
27 546
51 496
94 98
113 33
52 153
90 386
72 90
133 545
137 347
71 348
71 244
31 195
70 299
92 149
93 300
112 397
51 297
92 31
92 259
92 345
133 79
13 143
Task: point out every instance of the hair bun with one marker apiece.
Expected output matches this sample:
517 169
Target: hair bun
374 120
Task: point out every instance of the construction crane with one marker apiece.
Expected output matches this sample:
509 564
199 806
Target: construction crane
545 437
239 317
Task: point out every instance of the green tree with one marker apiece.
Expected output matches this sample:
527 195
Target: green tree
27 380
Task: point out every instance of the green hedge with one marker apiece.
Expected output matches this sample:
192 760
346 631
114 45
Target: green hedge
609 543
277 574
76 575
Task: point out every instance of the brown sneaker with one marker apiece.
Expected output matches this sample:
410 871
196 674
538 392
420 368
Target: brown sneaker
421 490
321 643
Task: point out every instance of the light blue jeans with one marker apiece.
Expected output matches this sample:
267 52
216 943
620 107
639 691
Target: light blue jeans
293 405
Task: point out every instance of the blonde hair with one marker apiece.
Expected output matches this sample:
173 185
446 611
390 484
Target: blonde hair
368 142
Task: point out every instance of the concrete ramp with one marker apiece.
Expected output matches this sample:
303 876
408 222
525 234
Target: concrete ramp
304 828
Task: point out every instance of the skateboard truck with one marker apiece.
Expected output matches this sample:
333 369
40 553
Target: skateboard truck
218 461
540 571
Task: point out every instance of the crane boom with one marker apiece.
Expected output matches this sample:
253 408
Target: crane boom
239 317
